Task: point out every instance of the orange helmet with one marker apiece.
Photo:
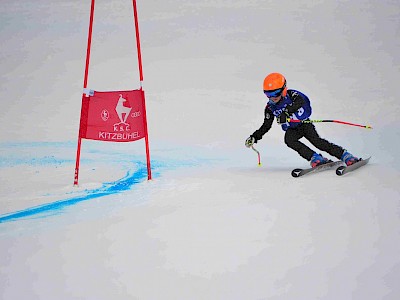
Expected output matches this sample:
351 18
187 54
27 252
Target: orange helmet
275 85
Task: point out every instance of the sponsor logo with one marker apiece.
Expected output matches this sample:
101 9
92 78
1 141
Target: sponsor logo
105 115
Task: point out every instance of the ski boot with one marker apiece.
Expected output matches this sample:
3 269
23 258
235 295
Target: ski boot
348 158
317 160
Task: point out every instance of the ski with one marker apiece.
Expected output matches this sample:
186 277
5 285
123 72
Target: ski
343 169
329 165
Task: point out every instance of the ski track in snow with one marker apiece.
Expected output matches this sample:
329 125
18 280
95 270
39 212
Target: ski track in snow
17 155
107 189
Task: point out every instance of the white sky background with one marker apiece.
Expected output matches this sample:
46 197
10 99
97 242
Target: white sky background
211 225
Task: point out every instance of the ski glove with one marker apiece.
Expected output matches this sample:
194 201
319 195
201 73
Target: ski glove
250 141
282 118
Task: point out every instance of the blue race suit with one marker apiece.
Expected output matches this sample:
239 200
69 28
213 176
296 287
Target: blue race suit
297 109
296 103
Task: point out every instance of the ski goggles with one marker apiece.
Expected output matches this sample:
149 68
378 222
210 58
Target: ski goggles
274 93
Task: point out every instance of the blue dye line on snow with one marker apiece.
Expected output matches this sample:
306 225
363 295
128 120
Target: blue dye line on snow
116 187
53 208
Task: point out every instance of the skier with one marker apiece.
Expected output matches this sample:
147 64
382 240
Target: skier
287 104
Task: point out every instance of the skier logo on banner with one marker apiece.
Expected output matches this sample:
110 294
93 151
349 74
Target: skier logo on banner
122 110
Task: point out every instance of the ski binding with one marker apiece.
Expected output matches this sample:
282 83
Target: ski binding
343 169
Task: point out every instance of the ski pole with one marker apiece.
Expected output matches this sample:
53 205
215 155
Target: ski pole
258 153
332 121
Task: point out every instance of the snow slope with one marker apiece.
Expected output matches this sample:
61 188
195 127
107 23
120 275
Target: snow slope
211 224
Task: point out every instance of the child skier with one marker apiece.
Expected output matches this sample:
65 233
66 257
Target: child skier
285 104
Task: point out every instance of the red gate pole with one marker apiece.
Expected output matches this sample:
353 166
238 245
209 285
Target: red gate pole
141 88
78 150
